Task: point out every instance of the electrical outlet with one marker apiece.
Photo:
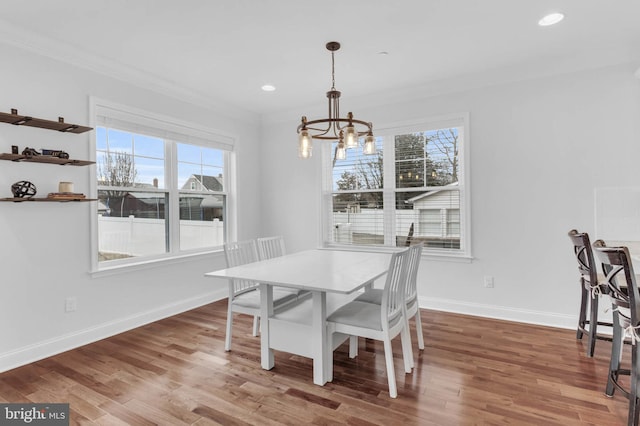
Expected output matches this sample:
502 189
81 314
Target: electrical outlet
488 281
70 304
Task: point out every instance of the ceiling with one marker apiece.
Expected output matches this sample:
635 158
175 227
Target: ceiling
225 50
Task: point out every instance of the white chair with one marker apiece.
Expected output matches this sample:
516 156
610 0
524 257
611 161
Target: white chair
381 322
244 296
374 295
270 247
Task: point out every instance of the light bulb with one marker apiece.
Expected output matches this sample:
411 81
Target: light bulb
341 152
369 145
304 144
350 136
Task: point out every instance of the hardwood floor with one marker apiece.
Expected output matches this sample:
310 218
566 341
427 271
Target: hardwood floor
473 371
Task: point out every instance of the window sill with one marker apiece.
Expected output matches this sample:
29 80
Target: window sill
447 257
120 268
427 255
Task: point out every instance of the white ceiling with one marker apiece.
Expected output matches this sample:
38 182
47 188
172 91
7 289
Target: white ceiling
225 50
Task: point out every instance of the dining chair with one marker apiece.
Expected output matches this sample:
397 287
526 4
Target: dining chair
270 247
625 299
374 295
380 322
244 295
590 290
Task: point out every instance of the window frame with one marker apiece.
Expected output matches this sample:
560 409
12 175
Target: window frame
388 132
175 131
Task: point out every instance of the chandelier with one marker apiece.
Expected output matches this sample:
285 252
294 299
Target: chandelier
346 131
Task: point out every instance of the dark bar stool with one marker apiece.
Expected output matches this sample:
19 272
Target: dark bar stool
623 291
590 290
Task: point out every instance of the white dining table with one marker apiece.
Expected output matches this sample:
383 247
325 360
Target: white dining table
330 276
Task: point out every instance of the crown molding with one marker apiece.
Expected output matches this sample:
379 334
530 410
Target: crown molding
18 37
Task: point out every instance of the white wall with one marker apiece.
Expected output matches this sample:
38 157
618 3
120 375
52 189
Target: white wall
538 150
46 247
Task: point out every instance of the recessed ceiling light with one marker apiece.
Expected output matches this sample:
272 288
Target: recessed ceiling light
551 19
268 88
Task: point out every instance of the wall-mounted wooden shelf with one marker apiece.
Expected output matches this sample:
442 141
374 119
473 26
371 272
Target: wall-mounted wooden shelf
24 120
57 200
48 159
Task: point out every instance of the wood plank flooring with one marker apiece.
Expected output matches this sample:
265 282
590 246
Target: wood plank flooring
473 371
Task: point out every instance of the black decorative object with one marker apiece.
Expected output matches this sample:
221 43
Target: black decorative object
14 149
23 189
55 153
30 152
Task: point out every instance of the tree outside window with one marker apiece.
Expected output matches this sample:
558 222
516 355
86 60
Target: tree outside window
426 191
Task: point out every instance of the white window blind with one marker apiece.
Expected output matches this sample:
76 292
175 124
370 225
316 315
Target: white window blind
136 121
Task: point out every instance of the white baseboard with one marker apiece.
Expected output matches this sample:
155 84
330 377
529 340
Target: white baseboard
37 351
41 350
550 319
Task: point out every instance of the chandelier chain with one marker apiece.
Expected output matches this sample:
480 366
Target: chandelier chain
333 73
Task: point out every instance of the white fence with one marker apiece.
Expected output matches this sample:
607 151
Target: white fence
133 236
370 222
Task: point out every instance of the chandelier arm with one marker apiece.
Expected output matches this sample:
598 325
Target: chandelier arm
332 123
336 111
306 125
334 105
340 120
362 123
322 133
326 138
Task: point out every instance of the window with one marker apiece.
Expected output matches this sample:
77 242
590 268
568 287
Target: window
430 222
162 187
202 206
413 189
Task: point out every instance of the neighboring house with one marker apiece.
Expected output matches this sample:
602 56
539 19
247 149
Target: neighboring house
152 204
438 216
139 204
203 183
202 207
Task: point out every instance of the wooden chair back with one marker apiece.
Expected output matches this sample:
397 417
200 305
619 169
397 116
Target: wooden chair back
240 253
415 253
620 281
270 247
393 296
584 255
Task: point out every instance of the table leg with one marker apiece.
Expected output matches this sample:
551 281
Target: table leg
266 312
368 285
319 337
